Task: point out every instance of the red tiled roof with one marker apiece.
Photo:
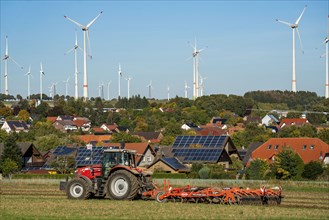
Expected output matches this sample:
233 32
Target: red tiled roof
52 119
293 121
140 148
79 122
302 146
98 138
99 130
211 131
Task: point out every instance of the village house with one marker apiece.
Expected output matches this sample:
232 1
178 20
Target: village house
15 126
309 149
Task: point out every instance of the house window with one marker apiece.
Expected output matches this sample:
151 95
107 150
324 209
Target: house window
269 147
312 147
276 147
304 147
149 159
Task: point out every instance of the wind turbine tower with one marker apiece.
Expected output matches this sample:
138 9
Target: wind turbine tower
150 89
128 80
195 55
28 74
41 76
202 84
294 27
168 93
76 94
326 41
66 87
6 58
108 90
119 81
85 36
186 87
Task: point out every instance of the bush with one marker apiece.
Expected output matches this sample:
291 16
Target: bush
312 170
257 170
204 173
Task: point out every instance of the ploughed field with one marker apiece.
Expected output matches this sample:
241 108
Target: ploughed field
41 199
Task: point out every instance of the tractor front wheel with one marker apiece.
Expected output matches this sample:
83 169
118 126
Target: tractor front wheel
77 189
122 185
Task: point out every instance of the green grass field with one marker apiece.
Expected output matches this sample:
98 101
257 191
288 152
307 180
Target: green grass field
41 199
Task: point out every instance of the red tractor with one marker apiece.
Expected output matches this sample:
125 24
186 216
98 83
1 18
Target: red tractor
116 178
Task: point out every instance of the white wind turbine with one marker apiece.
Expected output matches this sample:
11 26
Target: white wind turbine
108 89
202 84
128 80
85 36
168 93
66 86
76 94
102 90
28 74
294 26
326 41
150 89
186 87
119 81
41 76
195 55
6 58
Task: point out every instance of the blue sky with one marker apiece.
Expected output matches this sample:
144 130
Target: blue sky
246 48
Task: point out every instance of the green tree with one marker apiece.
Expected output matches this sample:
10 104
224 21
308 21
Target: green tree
167 140
289 165
258 169
63 164
8 167
5 111
127 138
312 170
324 135
11 150
23 115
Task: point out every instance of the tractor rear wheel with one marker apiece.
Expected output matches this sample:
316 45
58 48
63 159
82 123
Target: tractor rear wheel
77 189
122 185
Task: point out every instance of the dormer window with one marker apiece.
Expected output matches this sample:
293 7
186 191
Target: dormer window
304 147
312 147
269 147
276 147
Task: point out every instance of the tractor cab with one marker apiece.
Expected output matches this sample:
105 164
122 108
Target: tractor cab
117 157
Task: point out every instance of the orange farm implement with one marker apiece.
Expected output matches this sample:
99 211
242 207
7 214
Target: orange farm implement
229 196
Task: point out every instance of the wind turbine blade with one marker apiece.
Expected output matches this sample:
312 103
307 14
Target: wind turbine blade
80 25
89 47
189 43
297 21
300 40
6 45
69 51
284 22
88 25
80 49
323 55
202 49
76 37
15 62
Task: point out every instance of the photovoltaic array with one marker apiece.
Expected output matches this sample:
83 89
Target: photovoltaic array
87 157
199 148
173 162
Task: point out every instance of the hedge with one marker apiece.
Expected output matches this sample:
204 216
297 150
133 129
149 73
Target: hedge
169 176
41 176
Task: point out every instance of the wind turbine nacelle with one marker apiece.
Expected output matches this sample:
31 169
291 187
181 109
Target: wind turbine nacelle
294 26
